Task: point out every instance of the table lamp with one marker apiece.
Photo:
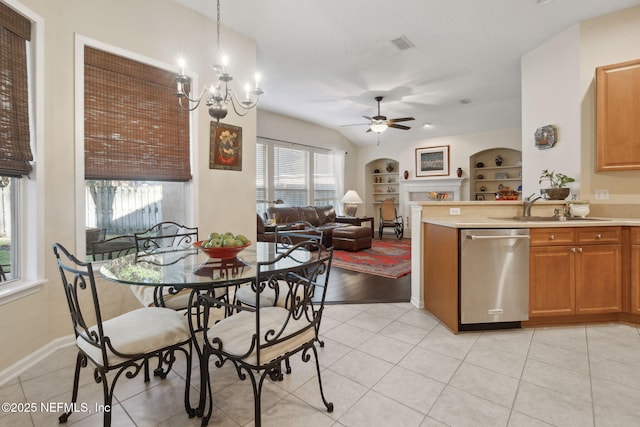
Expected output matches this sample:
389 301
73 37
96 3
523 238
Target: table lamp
351 201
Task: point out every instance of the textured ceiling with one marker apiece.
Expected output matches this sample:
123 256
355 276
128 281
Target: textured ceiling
325 61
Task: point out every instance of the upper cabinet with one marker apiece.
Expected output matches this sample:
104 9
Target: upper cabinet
617 112
496 174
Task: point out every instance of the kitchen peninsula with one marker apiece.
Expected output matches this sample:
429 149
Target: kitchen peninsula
581 270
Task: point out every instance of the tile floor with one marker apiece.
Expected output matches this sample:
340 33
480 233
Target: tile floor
389 365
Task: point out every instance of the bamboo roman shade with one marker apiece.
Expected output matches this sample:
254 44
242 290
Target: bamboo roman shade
134 128
15 145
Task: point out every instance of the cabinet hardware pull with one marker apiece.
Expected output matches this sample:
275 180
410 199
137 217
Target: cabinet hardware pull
579 249
552 237
599 236
573 249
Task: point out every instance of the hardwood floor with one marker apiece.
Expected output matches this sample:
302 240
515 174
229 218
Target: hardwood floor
347 286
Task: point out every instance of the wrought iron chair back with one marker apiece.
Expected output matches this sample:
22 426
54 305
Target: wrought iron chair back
256 340
311 235
112 248
123 344
389 218
167 234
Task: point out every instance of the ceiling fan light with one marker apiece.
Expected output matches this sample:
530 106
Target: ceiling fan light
379 126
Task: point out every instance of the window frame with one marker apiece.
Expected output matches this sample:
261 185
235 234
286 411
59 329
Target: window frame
80 43
310 151
29 209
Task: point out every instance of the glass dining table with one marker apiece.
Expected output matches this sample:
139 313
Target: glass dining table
192 269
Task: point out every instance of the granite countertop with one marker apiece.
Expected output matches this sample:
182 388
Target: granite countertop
497 222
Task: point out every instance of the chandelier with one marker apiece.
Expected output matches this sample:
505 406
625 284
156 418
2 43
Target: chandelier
218 95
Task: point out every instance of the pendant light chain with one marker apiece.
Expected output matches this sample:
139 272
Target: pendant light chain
218 26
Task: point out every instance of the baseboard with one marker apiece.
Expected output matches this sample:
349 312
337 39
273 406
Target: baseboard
22 365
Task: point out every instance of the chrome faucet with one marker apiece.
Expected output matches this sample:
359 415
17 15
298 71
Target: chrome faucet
527 203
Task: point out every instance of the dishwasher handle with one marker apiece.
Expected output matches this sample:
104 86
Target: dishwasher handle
517 236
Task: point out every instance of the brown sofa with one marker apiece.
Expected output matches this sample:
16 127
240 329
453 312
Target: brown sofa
305 220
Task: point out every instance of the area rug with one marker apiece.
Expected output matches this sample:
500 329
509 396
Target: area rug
386 258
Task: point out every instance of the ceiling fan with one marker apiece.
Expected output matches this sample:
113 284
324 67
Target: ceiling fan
380 123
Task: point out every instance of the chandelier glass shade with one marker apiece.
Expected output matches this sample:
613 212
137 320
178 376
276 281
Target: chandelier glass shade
218 95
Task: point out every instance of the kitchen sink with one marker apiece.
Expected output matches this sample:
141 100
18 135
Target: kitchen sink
549 218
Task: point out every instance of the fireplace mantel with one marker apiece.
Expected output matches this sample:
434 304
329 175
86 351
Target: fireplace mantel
416 190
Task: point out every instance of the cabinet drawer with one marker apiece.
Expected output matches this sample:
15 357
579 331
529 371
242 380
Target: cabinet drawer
552 236
635 235
599 235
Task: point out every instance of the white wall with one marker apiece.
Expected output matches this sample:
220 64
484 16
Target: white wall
461 147
550 91
558 88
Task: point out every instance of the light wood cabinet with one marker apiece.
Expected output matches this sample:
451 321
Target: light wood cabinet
635 270
575 271
617 110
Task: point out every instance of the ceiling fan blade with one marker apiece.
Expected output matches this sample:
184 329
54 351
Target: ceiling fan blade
403 127
369 130
402 119
355 124
367 117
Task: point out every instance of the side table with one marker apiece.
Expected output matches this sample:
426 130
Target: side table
356 220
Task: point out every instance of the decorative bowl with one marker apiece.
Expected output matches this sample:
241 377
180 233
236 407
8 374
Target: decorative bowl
222 252
579 208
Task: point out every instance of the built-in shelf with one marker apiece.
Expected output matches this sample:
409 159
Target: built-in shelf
511 168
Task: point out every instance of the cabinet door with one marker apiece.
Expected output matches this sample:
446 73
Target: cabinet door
551 281
635 279
598 279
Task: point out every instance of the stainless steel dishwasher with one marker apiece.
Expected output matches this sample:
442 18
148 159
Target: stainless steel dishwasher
494 275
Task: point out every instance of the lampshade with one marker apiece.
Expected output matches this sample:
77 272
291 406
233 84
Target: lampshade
351 201
351 197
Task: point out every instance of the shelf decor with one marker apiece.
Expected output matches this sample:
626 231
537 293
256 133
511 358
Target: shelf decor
225 151
432 161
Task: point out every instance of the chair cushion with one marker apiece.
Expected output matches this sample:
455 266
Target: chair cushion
236 333
144 330
326 214
284 215
178 301
309 214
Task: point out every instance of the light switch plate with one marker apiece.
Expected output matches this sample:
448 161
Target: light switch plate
454 211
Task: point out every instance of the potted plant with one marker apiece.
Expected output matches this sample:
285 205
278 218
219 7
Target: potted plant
557 183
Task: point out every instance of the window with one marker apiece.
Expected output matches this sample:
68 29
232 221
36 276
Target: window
15 133
136 146
296 174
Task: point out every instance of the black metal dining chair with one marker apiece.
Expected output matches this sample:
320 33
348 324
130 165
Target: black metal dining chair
256 340
123 344
167 234
112 248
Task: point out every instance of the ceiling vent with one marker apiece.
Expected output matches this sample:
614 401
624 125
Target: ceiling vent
402 43
464 101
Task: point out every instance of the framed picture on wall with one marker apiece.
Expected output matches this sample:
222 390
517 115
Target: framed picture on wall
432 161
225 147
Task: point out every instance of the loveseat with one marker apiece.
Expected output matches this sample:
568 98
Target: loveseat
304 220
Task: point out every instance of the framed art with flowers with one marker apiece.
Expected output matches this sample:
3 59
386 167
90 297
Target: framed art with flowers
225 148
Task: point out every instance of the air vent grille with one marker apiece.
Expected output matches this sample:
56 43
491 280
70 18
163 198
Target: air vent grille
402 43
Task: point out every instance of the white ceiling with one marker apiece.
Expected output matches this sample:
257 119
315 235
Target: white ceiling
325 61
